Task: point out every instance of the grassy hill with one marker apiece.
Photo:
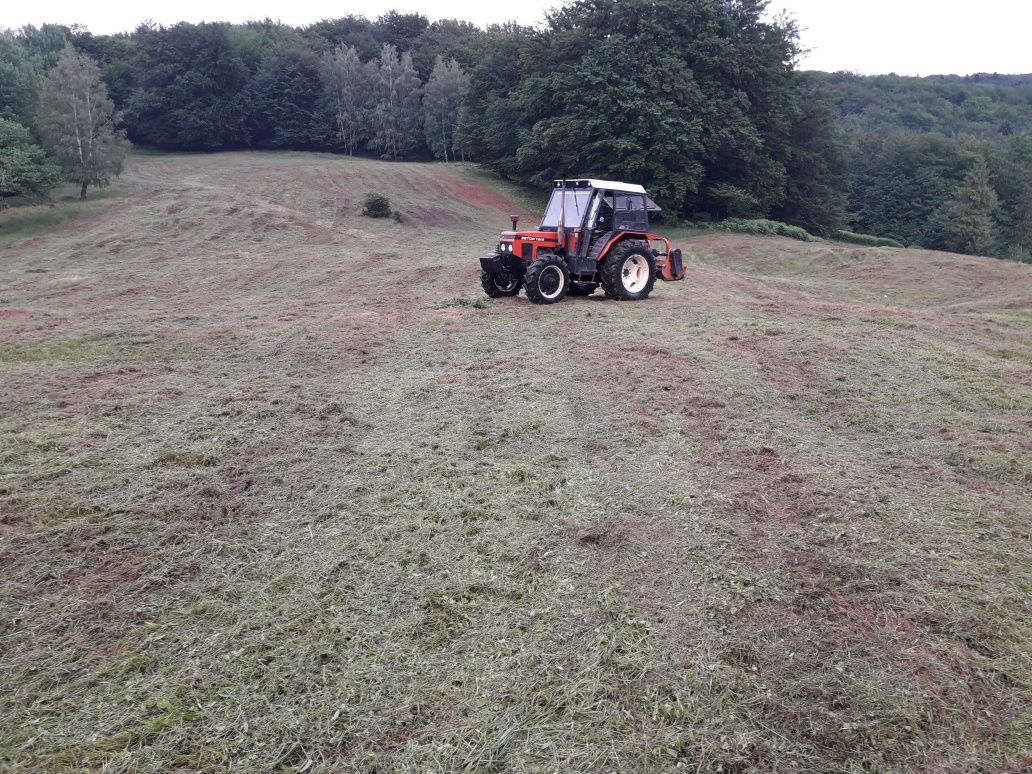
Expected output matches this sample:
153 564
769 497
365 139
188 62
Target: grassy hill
275 496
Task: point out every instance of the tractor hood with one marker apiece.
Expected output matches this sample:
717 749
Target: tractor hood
530 236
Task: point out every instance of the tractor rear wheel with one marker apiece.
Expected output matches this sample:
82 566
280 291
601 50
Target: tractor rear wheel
500 285
583 288
547 280
629 271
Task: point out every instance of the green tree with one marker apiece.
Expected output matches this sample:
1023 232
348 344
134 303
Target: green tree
349 31
114 54
78 122
24 168
622 118
441 100
19 84
680 95
902 185
816 161
1012 171
397 113
347 90
284 99
971 228
409 107
400 30
191 89
44 44
384 75
486 130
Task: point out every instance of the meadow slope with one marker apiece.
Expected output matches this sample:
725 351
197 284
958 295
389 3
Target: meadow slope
274 496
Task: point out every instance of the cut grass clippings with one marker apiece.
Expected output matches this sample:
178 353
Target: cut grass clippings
272 499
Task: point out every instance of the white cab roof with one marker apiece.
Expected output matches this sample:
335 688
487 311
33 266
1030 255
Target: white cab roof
609 185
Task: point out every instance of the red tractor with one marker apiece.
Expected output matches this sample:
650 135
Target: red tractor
593 232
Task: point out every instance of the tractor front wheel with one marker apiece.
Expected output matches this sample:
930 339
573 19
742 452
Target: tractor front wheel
500 285
547 280
629 271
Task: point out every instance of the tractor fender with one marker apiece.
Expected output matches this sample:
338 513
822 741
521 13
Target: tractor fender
617 238
669 264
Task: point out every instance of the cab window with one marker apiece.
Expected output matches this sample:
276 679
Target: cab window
630 211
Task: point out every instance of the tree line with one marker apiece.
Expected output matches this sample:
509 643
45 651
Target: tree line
700 100
943 162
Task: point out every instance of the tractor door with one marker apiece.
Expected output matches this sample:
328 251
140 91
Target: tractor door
600 219
597 222
630 213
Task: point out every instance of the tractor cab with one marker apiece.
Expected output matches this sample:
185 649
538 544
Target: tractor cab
598 205
584 222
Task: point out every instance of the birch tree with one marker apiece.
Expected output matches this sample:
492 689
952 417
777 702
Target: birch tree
77 122
397 112
385 139
347 85
441 101
409 107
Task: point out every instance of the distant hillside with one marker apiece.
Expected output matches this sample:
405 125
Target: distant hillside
984 105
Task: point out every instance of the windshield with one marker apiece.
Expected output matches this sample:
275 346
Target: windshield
576 201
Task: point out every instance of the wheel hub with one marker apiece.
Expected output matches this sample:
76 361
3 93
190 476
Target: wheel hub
550 281
635 273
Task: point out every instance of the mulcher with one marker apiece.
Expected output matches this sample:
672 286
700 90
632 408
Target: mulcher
594 233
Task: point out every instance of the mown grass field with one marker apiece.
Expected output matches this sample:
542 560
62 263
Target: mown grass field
275 497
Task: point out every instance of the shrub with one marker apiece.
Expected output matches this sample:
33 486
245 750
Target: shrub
376 206
866 239
768 228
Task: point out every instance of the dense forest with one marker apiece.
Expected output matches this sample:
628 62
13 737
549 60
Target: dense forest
700 100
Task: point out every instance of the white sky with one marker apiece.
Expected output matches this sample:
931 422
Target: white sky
909 37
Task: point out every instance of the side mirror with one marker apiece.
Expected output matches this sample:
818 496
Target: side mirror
515 220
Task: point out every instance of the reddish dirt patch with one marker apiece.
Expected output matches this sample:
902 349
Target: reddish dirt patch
478 195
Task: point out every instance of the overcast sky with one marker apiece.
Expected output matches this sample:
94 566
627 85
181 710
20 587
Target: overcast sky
912 37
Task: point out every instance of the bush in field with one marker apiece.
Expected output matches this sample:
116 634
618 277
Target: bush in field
376 206
766 227
866 239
